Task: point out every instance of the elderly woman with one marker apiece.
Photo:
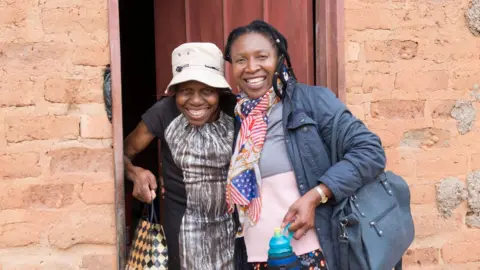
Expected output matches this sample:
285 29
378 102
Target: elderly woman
280 170
196 134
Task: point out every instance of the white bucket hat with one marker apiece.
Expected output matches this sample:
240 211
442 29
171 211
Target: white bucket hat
198 61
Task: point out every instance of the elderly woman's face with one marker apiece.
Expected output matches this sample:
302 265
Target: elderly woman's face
254 60
198 102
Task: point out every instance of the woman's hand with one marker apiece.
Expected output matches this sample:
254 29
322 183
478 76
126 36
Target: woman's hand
301 214
144 184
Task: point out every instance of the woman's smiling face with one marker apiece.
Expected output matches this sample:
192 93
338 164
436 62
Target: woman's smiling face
198 102
254 60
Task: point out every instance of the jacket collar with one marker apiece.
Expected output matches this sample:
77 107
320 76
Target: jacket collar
291 82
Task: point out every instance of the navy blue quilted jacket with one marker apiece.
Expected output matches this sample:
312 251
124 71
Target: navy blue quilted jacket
308 113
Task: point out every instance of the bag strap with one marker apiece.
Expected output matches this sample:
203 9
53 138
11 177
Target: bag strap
334 155
153 215
149 212
343 241
335 137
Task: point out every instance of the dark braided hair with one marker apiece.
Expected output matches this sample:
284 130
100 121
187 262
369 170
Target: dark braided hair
279 43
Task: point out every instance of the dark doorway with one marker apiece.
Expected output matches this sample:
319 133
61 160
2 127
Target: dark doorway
146 33
137 44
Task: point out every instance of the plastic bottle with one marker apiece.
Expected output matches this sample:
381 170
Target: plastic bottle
280 252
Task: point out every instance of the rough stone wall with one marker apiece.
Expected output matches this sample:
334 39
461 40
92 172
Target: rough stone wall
56 162
413 75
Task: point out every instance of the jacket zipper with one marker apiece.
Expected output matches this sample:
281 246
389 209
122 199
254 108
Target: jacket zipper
286 138
374 222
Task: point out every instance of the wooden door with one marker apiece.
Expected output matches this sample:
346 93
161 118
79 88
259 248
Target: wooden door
177 22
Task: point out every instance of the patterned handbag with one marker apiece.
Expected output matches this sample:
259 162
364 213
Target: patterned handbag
149 247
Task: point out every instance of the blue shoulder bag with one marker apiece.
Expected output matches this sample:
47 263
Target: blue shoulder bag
374 226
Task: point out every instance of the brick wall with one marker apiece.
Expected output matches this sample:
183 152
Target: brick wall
413 69
56 164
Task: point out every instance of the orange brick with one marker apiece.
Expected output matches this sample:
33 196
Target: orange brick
442 108
354 78
82 160
435 165
95 55
430 223
476 161
356 99
52 4
98 193
370 19
41 265
74 90
423 194
421 14
19 235
353 51
390 50
61 90
465 80
11 196
79 25
97 126
397 108
16 93
401 163
79 178
426 137
378 81
91 225
376 50
20 23
388 137
14 216
422 256
461 252
19 165
27 128
98 262
12 15
34 59
51 195
470 141
422 81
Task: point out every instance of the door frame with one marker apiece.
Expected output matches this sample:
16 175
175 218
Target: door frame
329 45
117 130
330 72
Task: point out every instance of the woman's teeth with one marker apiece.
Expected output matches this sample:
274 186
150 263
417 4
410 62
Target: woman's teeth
197 112
255 81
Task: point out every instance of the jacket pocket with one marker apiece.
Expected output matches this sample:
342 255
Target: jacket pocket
310 145
300 119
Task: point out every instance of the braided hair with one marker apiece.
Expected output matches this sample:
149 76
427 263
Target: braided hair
279 43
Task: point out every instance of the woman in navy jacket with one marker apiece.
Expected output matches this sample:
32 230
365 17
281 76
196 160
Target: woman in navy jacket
283 132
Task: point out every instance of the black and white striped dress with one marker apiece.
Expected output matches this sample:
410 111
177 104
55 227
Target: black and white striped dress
206 238
199 231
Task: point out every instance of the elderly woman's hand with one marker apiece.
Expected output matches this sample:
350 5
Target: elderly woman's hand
144 184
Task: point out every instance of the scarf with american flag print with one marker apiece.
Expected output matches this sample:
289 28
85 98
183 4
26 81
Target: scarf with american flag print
244 179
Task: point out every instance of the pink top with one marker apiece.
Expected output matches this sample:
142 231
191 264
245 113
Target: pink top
278 193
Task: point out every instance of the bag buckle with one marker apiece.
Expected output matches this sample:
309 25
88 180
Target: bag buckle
383 177
343 231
